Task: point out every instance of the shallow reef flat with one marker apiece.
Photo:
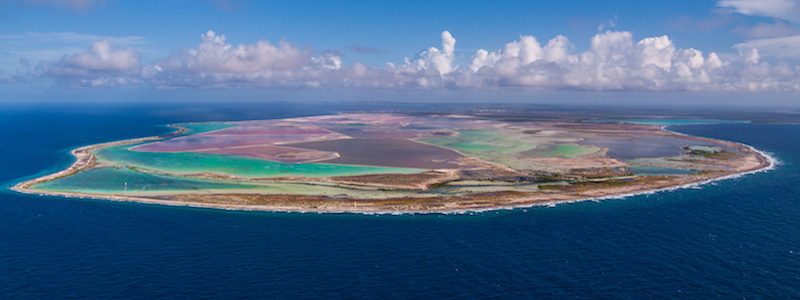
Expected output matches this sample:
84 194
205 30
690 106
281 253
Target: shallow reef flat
393 162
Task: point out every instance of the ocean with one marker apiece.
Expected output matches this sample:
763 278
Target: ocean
737 238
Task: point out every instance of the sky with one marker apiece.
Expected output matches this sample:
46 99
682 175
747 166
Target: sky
724 52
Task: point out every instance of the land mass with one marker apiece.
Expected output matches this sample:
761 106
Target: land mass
394 163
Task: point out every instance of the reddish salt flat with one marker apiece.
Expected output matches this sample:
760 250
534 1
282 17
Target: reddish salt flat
387 153
257 122
380 133
293 138
311 129
450 123
209 142
273 129
375 119
277 153
200 142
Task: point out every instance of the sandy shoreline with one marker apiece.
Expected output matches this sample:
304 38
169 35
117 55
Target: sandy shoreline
756 161
85 159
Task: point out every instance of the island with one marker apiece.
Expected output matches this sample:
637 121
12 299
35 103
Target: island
391 162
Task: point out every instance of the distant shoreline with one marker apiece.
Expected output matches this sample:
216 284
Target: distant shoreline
756 161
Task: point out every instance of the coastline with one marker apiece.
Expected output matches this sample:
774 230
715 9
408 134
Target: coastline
85 159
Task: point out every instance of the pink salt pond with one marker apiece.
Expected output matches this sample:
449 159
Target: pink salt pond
277 153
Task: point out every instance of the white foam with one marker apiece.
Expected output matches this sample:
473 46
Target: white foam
772 162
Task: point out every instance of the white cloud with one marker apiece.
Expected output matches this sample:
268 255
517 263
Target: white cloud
610 23
101 64
101 57
328 60
781 9
775 40
51 46
766 30
512 65
613 61
433 59
779 40
558 49
214 55
215 61
788 46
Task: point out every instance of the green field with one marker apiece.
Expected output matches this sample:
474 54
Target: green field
481 142
509 147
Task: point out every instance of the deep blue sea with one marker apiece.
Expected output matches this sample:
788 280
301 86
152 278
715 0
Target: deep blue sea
738 238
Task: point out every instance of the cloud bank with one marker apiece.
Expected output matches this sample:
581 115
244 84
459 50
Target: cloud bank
100 65
779 39
217 63
614 61
781 9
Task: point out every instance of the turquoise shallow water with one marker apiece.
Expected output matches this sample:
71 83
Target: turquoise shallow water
188 163
738 238
195 128
115 180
